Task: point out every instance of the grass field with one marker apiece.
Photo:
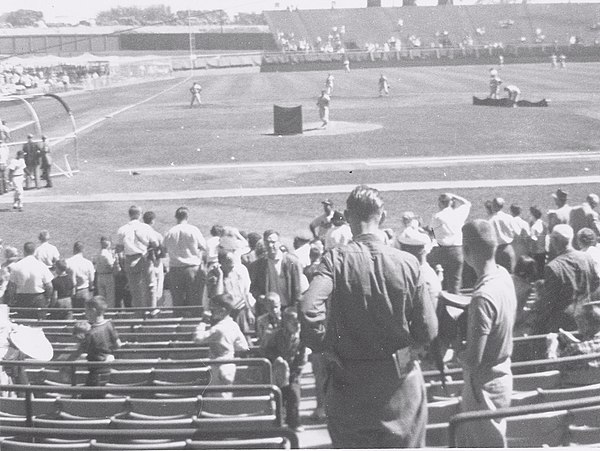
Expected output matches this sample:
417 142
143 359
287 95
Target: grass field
428 114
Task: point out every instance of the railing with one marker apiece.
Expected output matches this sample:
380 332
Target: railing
461 418
30 431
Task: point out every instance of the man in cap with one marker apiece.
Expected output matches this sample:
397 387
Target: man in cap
569 280
322 223
561 214
506 230
446 225
486 363
585 216
32 156
376 310
16 175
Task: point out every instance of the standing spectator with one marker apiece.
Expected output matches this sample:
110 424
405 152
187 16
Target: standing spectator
46 253
231 277
339 233
486 364
446 225
376 310
105 267
30 282
136 237
82 272
185 245
522 232
322 223
16 175
253 239
4 154
63 288
122 293
224 338
562 213
11 256
316 253
587 242
538 234
46 162
279 272
585 216
505 229
155 263
32 155
302 247
212 244
288 356
569 280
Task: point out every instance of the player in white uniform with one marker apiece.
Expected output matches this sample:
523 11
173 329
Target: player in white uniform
16 174
195 90
323 104
384 86
553 60
329 84
346 64
513 93
495 83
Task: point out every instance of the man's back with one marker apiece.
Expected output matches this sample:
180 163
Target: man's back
184 243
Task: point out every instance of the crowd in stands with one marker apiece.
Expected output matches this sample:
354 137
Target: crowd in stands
18 80
256 290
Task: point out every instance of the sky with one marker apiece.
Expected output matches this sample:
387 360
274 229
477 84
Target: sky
75 10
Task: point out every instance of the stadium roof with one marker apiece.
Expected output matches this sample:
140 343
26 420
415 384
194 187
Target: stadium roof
154 29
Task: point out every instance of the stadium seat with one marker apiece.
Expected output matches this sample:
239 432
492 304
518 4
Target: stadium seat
146 445
562 394
441 411
16 406
584 436
62 423
258 443
181 376
588 416
92 408
453 388
533 381
241 405
168 407
537 430
14 445
437 435
130 377
151 423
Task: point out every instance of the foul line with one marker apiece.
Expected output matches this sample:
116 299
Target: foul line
398 162
301 190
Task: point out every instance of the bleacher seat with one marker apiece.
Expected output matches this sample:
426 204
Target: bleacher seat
537 430
584 436
563 394
533 381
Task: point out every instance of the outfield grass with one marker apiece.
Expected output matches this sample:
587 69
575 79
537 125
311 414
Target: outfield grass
429 113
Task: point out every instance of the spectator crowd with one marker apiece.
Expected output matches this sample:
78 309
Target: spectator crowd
362 297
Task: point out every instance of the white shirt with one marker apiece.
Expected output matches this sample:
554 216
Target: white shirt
447 224
184 244
82 270
539 230
17 166
30 275
135 236
4 151
504 226
338 236
47 253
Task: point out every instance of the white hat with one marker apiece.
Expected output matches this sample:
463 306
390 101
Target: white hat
414 237
32 342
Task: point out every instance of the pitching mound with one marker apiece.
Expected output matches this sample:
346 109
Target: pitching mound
334 128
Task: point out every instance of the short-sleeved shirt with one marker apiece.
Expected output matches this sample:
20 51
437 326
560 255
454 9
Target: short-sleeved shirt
321 224
17 166
82 270
492 312
505 227
184 243
47 253
30 275
63 286
447 224
223 339
101 341
135 236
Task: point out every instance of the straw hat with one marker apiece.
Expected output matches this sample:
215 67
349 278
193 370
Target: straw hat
31 342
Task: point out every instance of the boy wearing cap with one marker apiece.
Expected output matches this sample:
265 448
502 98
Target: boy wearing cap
486 360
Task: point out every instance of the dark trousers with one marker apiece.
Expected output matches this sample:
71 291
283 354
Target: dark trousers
80 296
33 300
33 172
452 260
291 403
3 179
505 257
46 175
186 284
540 262
122 293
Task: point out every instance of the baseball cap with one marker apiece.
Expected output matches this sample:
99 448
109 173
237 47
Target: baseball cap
414 237
327 202
560 194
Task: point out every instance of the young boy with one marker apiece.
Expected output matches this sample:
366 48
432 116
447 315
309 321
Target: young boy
288 357
223 337
98 343
62 285
268 323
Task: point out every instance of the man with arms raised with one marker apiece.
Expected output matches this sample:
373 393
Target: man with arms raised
374 301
